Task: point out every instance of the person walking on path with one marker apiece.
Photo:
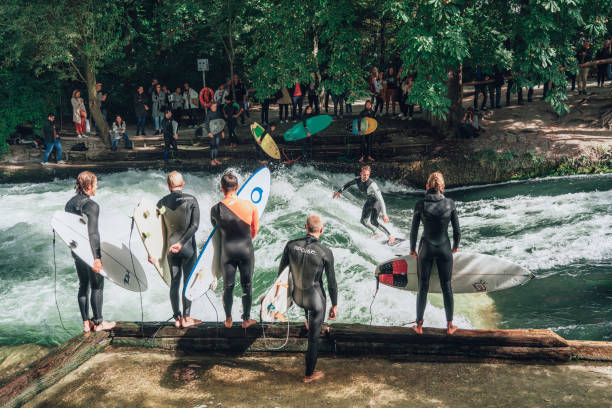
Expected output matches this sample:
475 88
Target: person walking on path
52 140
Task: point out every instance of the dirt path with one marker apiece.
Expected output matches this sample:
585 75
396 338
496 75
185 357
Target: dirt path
122 377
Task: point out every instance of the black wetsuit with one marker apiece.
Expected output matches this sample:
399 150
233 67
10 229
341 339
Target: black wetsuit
307 258
237 222
169 140
436 211
82 205
373 205
366 140
307 143
181 219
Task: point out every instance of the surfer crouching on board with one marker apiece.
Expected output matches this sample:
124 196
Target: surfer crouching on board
237 221
82 205
307 258
373 205
181 217
436 211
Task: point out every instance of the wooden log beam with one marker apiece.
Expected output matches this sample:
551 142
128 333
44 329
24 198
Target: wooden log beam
51 368
591 350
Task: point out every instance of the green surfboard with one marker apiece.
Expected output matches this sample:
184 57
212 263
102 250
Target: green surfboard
314 124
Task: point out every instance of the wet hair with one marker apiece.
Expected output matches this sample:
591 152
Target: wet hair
229 182
314 223
175 179
85 181
436 181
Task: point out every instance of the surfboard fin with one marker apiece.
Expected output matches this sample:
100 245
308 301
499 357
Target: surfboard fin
280 317
146 235
146 214
162 210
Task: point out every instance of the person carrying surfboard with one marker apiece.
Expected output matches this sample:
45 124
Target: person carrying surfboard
81 204
374 203
366 139
435 211
181 217
214 114
237 221
307 259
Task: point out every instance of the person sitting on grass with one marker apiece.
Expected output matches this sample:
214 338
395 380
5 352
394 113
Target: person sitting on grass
119 132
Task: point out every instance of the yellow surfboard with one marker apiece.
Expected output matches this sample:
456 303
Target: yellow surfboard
266 142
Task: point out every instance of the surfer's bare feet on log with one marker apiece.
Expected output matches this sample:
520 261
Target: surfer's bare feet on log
217 161
317 375
177 322
248 323
391 240
228 322
450 329
189 321
105 326
418 328
213 162
360 159
87 326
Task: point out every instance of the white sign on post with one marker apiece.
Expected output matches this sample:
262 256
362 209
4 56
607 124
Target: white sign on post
203 64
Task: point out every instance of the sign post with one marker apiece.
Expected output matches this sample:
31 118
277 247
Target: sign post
203 66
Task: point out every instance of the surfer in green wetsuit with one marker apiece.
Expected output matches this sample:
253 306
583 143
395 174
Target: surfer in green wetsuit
181 217
373 205
89 277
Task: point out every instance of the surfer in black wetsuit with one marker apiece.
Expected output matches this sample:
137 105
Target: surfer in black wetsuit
436 211
307 258
373 205
214 114
81 204
307 143
170 136
181 217
237 221
366 140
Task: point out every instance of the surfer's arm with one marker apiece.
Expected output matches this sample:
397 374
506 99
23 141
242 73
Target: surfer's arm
284 260
194 223
456 228
414 230
332 285
379 198
92 211
254 222
347 185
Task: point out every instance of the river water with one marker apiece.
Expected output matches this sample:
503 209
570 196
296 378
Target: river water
560 229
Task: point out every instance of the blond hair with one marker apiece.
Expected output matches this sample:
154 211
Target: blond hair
85 181
366 167
175 179
75 92
436 181
314 223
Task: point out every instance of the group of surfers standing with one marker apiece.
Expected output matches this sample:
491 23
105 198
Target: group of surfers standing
237 222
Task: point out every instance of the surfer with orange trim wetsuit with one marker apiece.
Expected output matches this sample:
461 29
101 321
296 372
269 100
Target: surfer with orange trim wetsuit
181 217
237 221
307 259
436 212
81 204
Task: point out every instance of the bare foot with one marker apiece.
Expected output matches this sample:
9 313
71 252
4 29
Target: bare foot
213 163
377 235
248 323
218 162
317 375
360 159
177 323
306 324
391 240
450 329
418 328
105 326
228 322
189 321
370 158
87 326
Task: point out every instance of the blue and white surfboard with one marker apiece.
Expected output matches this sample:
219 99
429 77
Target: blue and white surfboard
204 274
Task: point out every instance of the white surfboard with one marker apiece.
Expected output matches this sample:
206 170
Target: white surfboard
150 226
472 273
117 261
276 302
204 274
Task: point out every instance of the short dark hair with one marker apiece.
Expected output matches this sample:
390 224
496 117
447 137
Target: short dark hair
51 114
229 182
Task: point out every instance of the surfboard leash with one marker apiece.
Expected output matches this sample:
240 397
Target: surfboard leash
373 298
55 287
263 330
137 279
216 312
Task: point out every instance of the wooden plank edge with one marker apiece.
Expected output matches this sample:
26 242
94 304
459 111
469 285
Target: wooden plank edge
591 350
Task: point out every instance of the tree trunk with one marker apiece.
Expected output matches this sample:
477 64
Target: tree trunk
230 49
455 94
94 105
